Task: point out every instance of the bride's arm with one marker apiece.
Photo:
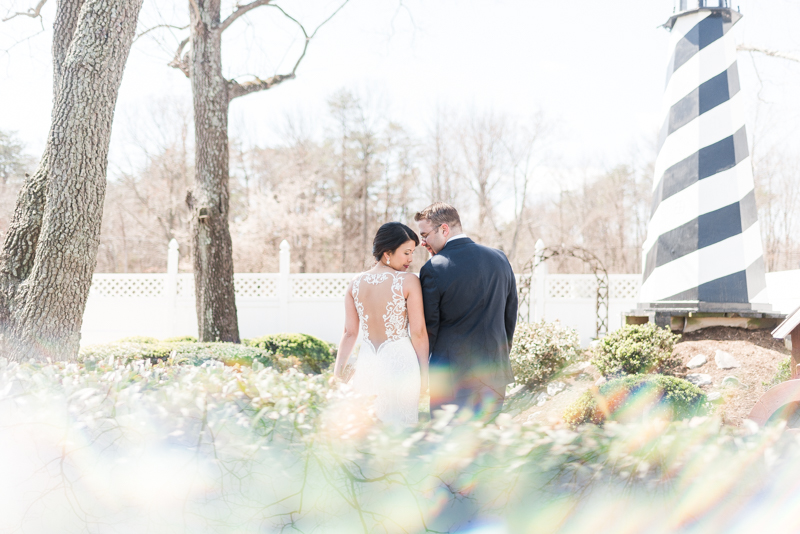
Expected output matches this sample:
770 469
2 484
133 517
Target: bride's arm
416 325
349 335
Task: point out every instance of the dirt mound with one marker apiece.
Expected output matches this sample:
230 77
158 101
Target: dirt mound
756 350
762 338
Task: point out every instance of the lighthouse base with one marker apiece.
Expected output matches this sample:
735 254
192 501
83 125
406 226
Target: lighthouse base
692 315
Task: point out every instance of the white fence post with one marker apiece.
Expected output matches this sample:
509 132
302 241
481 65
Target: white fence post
171 287
284 286
540 282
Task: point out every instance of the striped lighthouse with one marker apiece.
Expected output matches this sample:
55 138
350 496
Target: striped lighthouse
703 248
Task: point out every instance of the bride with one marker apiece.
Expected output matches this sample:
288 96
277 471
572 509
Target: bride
387 303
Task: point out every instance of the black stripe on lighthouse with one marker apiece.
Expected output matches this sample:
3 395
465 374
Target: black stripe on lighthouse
704 231
709 95
705 32
704 163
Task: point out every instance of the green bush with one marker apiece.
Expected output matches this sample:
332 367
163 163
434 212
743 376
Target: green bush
635 349
315 355
782 374
181 339
632 396
139 339
542 349
184 353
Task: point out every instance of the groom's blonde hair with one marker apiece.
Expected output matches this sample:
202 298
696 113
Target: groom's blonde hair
440 213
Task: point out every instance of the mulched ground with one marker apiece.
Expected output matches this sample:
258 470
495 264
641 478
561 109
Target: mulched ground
757 352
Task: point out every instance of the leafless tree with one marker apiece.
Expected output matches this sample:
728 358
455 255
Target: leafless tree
525 152
482 151
443 181
209 200
146 206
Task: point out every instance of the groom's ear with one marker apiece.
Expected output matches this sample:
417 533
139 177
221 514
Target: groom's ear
445 229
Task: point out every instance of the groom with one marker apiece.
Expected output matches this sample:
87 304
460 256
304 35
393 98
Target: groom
470 300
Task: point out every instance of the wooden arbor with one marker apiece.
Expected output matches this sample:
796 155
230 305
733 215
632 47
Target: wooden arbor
543 254
783 400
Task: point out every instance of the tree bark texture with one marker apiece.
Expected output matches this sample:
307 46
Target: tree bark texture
50 251
17 254
213 251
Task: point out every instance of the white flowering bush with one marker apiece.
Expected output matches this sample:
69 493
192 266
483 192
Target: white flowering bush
542 349
132 446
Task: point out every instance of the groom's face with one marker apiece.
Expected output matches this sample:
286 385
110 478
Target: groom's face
433 236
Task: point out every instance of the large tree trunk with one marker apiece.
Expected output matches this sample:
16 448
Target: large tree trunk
213 251
50 251
18 252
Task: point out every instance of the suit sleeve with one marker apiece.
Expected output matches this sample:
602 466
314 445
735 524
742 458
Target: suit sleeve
430 302
511 308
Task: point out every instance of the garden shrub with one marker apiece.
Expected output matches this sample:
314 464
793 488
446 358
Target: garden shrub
227 353
631 396
139 339
181 339
314 353
184 353
635 349
127 351
542 349
782 374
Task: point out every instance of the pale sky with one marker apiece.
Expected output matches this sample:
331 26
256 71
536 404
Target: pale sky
595 68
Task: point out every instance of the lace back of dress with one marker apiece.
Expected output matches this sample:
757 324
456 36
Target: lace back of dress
381 307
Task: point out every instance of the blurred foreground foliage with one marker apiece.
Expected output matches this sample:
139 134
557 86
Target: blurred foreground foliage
123 444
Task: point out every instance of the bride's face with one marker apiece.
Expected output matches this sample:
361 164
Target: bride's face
400 259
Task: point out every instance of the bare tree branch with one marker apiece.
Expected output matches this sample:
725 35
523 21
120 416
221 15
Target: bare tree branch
148 30
181 62
236 89
768 52
241 10
33 13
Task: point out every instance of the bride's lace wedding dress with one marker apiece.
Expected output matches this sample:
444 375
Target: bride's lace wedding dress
387 367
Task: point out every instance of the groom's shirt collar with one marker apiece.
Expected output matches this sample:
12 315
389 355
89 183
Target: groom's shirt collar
459 236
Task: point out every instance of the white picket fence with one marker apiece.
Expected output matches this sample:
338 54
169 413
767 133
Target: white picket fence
163 305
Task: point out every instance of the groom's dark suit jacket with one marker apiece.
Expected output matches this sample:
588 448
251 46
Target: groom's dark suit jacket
470 299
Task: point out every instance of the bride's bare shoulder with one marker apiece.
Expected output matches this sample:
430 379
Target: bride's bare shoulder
410 280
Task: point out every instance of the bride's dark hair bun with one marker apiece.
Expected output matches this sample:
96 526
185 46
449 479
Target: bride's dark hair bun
389 238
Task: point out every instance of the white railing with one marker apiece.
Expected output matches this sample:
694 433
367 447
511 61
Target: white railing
163 305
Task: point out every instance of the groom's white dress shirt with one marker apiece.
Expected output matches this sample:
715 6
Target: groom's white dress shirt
459 236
